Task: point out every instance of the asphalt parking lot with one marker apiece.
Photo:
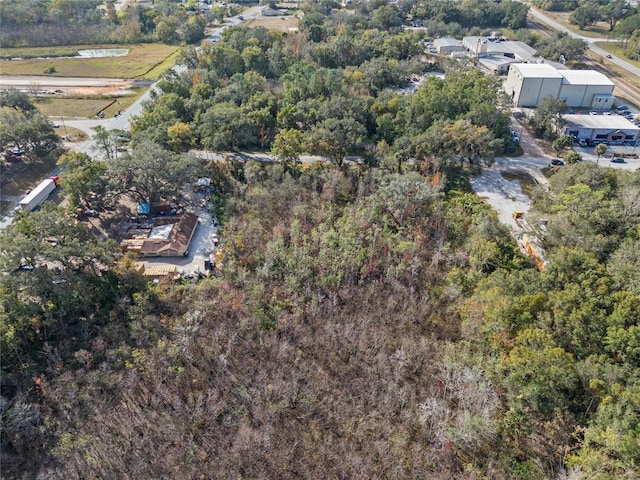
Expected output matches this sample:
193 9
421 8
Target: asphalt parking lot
588 154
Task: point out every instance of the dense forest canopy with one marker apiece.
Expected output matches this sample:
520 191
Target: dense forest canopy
372 319
380 324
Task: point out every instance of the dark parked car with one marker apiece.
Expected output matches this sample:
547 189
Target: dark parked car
556 162
617 160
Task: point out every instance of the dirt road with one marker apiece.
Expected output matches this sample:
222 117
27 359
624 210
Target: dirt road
67 85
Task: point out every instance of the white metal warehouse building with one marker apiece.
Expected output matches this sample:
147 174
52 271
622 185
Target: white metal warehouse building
529 83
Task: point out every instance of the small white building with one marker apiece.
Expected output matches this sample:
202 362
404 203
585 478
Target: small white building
448 45
528 84
609 129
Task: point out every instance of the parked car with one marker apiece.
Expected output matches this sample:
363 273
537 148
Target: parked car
617 160
17 152
593 112
556 162
515 137
582 142
622 108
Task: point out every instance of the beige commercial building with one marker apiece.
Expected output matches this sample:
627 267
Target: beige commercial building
530 83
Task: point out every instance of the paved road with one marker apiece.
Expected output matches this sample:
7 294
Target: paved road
590 41
121 122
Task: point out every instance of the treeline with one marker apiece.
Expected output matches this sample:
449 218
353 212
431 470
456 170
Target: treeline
86 22
338 82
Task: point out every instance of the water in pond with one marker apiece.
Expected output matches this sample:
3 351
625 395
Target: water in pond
104 52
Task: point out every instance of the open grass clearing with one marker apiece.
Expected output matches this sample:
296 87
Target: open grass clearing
146 61
282 24
598 30
86 107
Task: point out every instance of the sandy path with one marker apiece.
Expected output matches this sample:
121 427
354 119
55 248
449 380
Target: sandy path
66 85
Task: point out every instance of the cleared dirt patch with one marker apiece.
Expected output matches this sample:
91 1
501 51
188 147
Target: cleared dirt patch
526 181
282 24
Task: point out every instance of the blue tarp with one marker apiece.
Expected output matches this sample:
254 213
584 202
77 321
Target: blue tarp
144 208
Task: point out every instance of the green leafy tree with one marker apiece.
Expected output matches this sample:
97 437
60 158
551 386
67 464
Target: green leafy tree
167 30
149 172
53 281
180 136
515 15
107 142
561 143
585 15
572 157
226 126
336 138
19 101
82 176
547 118
600 150
27 130
540 375
468 142
287 146
192 31
626 29
561 44
614 11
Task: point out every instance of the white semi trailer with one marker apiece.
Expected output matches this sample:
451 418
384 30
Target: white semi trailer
40 193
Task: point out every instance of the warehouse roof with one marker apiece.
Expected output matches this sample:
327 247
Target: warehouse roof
520 49
585 77
447 41
537 70
613 122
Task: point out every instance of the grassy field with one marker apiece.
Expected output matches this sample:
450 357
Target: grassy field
599 30
282 24
85 107
146 61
